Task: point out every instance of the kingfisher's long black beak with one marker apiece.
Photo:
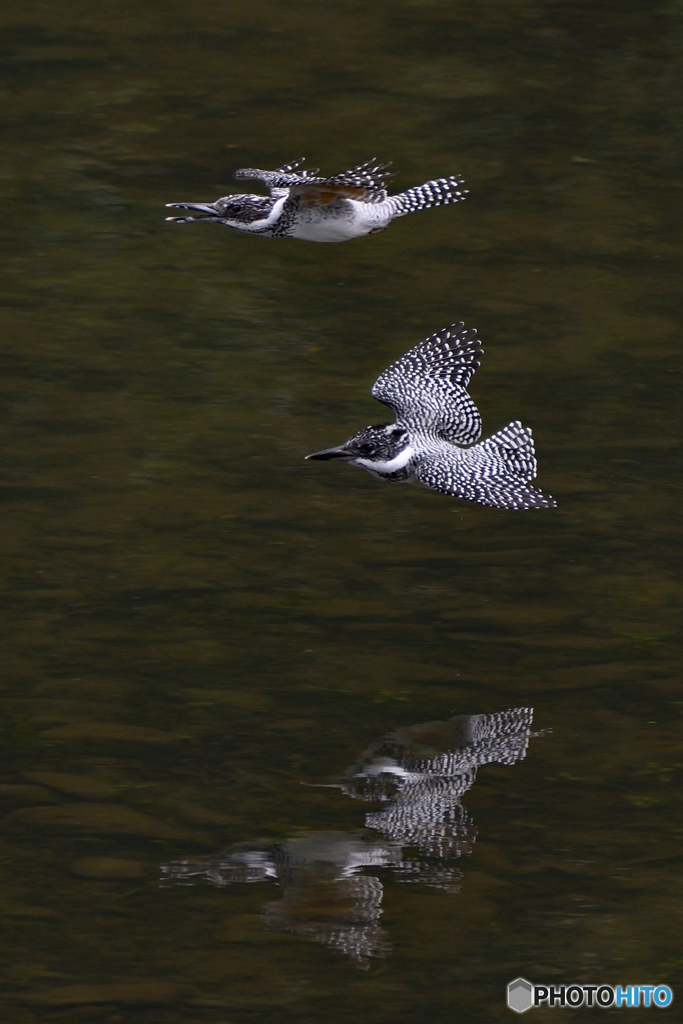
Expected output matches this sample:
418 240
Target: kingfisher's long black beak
329 453
199 207
210 212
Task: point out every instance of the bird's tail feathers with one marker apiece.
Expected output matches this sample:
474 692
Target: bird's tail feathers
513 466
514 444
440 192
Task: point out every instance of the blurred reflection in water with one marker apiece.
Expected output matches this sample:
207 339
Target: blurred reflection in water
419 775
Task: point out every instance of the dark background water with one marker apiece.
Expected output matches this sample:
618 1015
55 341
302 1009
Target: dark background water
198 621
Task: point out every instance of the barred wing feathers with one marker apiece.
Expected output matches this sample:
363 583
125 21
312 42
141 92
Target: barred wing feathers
366 182
426 386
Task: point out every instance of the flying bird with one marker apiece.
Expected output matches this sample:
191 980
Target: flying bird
433 440
303 205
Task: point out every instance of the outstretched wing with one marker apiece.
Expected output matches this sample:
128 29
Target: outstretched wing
370 176
496 472
290 168
426 386
366 182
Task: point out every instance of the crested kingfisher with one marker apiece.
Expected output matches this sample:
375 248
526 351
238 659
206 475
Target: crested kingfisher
316 209
433 440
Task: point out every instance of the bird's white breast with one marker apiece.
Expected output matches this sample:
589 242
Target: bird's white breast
325 231
339 222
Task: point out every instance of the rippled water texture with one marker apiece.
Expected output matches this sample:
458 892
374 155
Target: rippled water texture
211 644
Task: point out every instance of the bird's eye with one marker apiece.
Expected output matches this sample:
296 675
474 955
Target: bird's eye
232 208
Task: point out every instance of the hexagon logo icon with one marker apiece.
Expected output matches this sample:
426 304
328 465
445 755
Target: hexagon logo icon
520 995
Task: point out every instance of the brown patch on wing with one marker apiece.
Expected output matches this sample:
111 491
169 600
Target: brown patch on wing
323 195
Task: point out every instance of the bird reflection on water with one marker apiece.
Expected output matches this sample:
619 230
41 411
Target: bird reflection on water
418 776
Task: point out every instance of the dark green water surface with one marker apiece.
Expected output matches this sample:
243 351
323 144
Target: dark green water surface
199 625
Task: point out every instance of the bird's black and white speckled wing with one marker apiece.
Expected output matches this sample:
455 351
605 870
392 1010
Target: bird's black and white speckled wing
426 386
290 168
366 182
496 472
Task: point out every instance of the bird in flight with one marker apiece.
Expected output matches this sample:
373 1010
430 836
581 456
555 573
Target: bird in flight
303 205
433 440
